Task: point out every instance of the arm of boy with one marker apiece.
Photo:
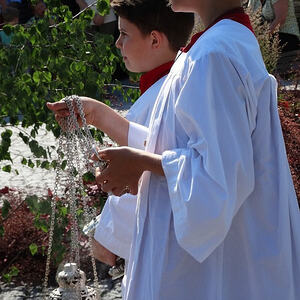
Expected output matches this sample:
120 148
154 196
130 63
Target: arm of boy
210 178
99 115
103 254
125 167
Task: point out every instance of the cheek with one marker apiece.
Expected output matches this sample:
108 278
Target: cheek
130 48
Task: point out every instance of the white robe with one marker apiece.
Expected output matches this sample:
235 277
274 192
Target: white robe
117 221
224 223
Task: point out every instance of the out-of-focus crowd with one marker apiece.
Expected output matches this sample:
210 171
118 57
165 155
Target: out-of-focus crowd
23 12
280 13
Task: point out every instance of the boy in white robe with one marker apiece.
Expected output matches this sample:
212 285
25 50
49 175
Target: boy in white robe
150 36
217 215
116 224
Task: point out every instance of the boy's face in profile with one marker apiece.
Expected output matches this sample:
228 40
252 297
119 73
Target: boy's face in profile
136 48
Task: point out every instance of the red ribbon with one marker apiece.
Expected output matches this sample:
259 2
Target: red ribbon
149 78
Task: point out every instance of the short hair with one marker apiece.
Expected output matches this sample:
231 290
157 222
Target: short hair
149 15
10 13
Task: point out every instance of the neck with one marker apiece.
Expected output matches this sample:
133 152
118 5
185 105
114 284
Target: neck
160 58
213 9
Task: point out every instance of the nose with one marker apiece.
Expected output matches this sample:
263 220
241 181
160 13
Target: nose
119 42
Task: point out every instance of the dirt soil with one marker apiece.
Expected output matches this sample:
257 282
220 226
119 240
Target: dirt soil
289 112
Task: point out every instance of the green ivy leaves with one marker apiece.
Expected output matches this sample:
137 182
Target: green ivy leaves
5 144
33 248
103 7
13 271
40 77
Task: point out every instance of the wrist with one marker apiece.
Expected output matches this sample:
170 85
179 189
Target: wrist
150 162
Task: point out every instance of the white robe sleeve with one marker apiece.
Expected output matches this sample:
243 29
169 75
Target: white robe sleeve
137 135
115 228
210 178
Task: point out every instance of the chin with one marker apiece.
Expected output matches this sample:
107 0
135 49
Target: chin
178 6
133 69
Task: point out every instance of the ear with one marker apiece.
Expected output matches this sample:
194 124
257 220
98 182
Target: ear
156 39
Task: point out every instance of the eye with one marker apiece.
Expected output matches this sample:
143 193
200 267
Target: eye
122 33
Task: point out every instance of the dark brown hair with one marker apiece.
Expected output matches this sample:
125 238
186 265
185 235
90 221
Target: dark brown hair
149 15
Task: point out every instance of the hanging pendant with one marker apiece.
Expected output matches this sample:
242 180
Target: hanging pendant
77 146
71 281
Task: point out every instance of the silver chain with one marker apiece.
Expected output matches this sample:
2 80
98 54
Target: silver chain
76 145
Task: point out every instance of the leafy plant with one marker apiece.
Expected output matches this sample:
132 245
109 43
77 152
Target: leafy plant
13 271
47 61
269 44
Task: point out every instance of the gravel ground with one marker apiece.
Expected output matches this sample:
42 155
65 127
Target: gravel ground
110 290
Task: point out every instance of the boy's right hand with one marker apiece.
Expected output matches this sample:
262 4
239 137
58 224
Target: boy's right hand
61 110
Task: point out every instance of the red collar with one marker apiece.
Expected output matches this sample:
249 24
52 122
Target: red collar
237 14
149 78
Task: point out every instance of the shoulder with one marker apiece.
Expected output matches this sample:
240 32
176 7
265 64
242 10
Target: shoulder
230 43
227 37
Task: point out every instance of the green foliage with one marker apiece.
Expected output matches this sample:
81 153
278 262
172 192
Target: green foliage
5 144
41 209
33 249
103 7
5 209
13 271
2 230
7 168
88 177
52 58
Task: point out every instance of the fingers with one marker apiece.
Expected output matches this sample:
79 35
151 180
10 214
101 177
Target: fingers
61 111
117 177
102 154
107 186
60 108
106 154
102 180
57 106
